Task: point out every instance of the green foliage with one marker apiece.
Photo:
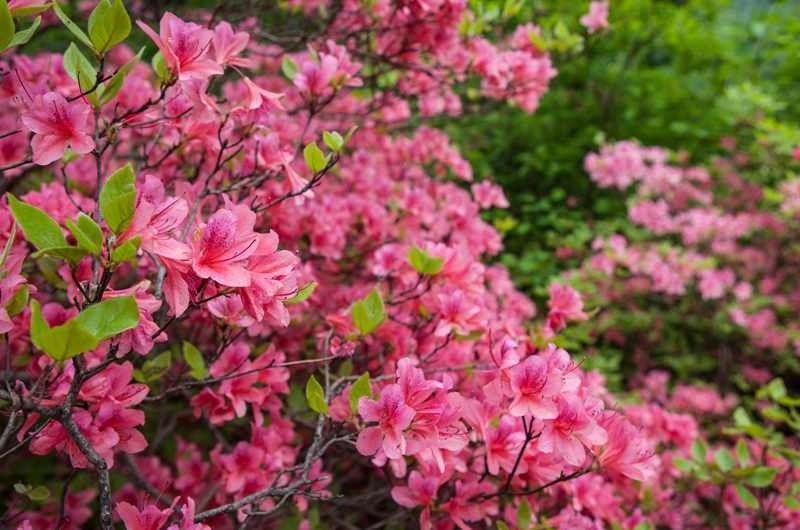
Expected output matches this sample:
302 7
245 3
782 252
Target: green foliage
6 25
39 228
118 199
195 360
302 294
84 332
369 312
361 388
424 263
315 396
86 233
314 157
109 24
81 70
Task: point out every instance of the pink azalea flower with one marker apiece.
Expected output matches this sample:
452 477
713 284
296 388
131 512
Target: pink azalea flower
626 450
565 304
597 17
421 491
228 45
272 280
184 46
533 388
567 434
221 248
148 518
393 417
56 125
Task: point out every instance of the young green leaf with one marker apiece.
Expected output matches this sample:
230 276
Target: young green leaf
193 357
315 396
61 342
81 70
18 302
127 250
39 228
289 68
724 460
109 24
302 294
160 67
118 199
368 313
87 233
742 454
699 450
71 26
67 253
424 263
333 140
6 25
314 157
524 515
23 36
361 388
154 368
762 476
110 317
747 497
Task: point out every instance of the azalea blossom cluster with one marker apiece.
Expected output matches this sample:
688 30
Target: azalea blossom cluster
213 321
730 236
710 246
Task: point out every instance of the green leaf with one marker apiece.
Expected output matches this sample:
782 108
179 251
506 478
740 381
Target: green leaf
81 70
127 250
724 460
23 36
112 87
38 494
349 134
154 368
742 454
61 342
368 313
7 27
699 450
39 228
740 418
71 26
67 253
424 263
747 497
762 476
160 67
9 242
333 140
524 514
195 360
109 24
110 317
791 503
302 294
20 488
26 11
314 157
118 199
501 525
361 388
315 396
683 464
18 302
87 233
289 68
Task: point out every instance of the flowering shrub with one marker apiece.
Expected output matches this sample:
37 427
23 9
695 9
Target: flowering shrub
210 320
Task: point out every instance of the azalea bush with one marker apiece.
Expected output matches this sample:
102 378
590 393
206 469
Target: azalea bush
244 282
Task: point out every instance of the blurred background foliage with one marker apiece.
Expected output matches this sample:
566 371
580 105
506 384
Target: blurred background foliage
679 74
